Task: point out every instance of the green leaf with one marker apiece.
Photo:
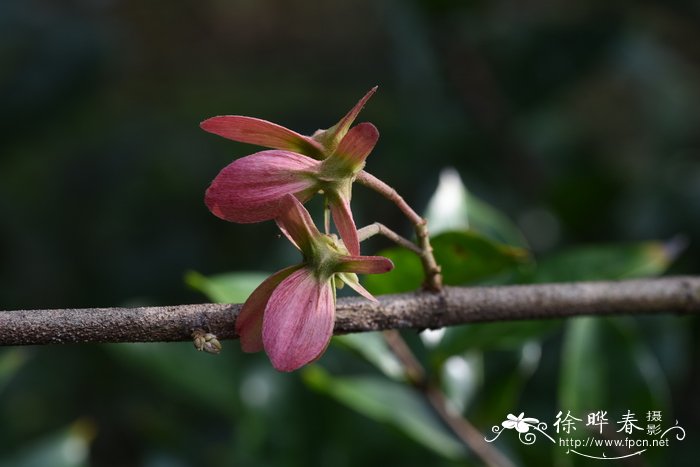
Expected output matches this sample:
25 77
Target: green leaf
452 207
203 377
587 363
588 367
373 347
491 336
644 364
234 287
406 276
584 362
11 360
66 448
465 257
504 378
388 402
608 262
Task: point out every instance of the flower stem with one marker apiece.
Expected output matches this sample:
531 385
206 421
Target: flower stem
433 277
460 426
380 229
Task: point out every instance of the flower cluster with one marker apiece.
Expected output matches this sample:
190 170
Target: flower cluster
291 314
250 188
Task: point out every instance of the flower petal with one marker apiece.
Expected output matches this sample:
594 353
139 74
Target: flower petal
353 282
295 223
356 146
331 137
298 321
365 264
509 424
261 132
250 188
249 320
342 217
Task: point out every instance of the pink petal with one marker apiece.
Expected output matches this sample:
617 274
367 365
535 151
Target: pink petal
341 128
250 188
261 132
352 282
298 321
356 145
342 217
249 320
365 264
296 223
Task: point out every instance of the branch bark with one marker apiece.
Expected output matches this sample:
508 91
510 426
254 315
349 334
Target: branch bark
417 310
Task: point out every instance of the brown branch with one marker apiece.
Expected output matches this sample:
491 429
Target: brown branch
418 310
460 426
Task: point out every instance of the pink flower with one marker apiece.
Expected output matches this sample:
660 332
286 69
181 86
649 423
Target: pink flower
270 135
250 189
291 314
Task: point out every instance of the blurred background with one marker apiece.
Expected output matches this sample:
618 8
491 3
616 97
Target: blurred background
579 120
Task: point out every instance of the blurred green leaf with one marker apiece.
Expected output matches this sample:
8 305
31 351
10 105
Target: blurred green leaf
468 256
209 379
584 364
452 207
588 367
388 402
373 347
650 376
505 375
11 360
608 262
67 448
464 257
491 336
234 287
406 276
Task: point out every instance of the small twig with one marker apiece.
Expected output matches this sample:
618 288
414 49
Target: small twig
380 229
433 278
415 373
465 431
370 181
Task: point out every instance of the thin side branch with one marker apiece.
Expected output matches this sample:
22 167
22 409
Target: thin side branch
370 181
418 310
380 229
433 277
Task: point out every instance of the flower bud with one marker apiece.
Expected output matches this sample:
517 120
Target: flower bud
206 341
